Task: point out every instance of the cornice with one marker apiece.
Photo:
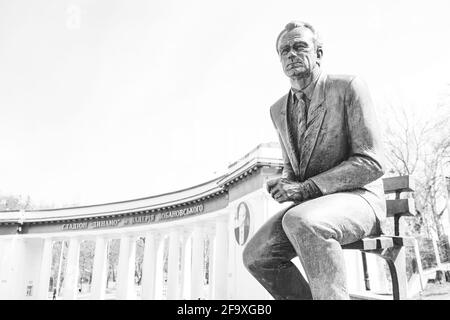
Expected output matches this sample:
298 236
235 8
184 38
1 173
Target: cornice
237 173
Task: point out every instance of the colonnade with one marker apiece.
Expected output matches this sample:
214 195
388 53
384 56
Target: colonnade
183 220
185 272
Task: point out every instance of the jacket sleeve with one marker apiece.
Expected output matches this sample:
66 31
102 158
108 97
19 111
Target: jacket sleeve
288 172
364 163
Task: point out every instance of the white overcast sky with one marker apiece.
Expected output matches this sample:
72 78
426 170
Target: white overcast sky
107 100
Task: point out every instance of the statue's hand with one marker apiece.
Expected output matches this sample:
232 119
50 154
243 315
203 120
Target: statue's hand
288 190
272 183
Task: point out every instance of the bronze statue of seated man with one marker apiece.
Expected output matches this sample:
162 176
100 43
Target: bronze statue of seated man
332 175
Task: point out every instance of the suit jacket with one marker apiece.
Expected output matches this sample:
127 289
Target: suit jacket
341 148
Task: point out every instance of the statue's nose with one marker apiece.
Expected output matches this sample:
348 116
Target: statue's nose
292 54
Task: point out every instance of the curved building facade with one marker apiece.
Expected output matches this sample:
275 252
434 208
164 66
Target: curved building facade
209 222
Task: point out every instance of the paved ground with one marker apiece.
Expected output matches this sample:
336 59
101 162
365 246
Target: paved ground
435 291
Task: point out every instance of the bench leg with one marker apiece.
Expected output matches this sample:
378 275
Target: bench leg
366 272
396 260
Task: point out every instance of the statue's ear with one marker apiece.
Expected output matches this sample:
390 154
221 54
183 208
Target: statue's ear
319 53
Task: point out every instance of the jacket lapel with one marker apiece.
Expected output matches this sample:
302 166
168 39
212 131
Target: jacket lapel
285 133
316 114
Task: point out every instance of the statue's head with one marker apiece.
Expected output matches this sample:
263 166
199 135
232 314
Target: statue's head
299 48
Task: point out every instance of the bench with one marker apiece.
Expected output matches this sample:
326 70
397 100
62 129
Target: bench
391 248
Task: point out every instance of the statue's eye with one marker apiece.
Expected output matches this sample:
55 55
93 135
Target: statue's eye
300 47
284 51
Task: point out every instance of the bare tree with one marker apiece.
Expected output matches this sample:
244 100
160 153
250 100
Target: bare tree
15 202
420 146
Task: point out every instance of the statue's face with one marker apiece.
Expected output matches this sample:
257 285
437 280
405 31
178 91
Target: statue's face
298 54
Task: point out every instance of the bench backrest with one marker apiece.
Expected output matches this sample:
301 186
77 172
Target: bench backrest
399 207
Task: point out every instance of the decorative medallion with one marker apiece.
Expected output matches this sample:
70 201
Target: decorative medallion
242 223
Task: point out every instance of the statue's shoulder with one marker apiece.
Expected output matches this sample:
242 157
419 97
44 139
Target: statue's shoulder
348 85
276 107
340 80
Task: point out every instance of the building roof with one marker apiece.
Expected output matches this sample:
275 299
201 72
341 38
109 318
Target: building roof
264 154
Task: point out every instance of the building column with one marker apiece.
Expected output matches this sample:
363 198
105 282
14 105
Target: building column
354 271
126 268
184 237
173 265
99 272
149 265
70 286
46 269
12 282
3 253
221 259
211 234
197 271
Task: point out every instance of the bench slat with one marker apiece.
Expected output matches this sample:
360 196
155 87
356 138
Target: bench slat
384 242
381 242
398 184
401 207
363 244
403 241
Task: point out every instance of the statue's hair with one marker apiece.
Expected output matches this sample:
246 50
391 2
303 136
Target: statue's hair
300 24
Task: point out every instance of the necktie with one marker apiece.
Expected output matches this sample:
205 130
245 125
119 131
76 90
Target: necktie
301 118
297 122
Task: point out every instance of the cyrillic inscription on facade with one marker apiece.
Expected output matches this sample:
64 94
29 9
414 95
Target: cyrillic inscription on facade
182 212
120 222
75 226
105 223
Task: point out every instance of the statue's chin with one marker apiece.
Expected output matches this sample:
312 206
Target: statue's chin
299 75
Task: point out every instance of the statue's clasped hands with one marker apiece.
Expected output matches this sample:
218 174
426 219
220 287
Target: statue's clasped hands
283 190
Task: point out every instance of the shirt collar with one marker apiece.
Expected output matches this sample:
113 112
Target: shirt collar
309 90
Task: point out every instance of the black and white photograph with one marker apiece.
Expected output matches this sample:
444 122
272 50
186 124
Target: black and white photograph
244 151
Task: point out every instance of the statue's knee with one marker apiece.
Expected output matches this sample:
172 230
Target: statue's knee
248 257
308 225
299 222
293 220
